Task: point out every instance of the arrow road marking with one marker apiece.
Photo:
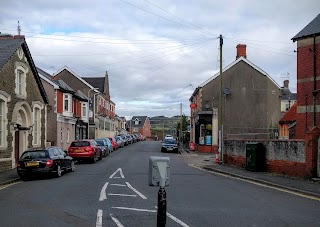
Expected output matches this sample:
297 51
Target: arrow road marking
103 195
120 185
116 221
99 219
122 195
115 172
134 209
136 191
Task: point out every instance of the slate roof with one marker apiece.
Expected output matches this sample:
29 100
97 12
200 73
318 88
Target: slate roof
64 86
313 28
8 47
289 116
97 82
286 94
142 121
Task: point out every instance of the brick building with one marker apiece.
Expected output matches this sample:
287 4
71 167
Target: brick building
139 124
23 102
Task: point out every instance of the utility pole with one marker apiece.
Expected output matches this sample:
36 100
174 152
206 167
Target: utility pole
221 105
180 134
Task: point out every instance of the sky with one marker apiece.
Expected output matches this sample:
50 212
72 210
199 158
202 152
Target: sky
157 52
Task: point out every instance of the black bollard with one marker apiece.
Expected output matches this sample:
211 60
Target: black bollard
162 208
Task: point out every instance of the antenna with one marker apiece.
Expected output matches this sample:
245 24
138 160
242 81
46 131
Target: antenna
285 75
52 67
19 29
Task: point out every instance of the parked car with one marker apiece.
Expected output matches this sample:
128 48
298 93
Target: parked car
169 145
103 146
125 140
137 137
85 149
114 143
107 140
50 160
129 138
120 141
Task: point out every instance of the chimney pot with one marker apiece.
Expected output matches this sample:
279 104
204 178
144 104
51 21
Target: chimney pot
241 51
286 84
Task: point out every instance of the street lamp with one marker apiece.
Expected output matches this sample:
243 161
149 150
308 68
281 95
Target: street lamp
92 89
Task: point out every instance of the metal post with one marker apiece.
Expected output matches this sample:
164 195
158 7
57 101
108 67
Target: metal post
162 208
91 89
180 134
220 122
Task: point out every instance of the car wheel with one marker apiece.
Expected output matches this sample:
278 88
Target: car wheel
94 159
100 157
23 177
72 167
59 171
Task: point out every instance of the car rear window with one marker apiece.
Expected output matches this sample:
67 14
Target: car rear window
34 154
170 141
80 144
100 142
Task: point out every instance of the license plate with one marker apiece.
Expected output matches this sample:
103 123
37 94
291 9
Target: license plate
169 149
77 151
32 164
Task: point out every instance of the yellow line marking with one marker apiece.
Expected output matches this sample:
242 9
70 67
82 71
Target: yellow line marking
260 184
8 185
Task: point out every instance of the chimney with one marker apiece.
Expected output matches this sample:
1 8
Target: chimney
286 84
241 51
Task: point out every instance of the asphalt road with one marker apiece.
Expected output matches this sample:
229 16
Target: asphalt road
115 192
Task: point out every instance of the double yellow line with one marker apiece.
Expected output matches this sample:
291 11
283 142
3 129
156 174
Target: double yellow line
9 185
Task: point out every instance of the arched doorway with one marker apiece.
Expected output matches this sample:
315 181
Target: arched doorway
21 121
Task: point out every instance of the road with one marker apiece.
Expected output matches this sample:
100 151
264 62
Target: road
115 192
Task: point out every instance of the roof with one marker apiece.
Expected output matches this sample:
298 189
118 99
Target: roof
233 64
313 28
289 116
8 47
82 95
97 82
286 94
48 78
77 76
141 123
64 86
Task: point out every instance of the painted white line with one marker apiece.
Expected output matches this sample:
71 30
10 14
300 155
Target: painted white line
99 219
122 195
134 209
259 184
136 191
115 172
116 221
176 219
116 177
103 195
120 185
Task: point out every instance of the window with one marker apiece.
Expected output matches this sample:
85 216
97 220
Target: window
36 126
19 82
68 135
67 103
84 109
135 129
1 122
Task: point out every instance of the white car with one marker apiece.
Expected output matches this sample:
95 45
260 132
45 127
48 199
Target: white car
168 137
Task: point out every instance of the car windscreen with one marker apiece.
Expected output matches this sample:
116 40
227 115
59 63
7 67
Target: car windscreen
34 155
80 144
170 141
100 142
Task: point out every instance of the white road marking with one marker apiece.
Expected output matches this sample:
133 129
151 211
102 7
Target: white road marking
116 177
115 172
259 184
176 219
122 195
134 209
116 221
99 219
103 195
136 191
120 185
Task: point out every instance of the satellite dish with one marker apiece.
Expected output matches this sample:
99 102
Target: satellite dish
226 91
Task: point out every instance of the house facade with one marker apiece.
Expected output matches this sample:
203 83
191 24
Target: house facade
250 105
101 110
23 102
139 124
67 112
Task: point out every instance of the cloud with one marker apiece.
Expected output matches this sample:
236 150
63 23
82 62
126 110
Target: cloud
152 77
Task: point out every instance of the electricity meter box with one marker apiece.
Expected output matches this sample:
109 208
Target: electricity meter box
159 171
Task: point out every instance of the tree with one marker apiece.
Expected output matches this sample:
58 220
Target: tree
185 124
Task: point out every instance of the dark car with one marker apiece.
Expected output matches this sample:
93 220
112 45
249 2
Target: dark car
50 160
169 145
102 143
129 138
85 149
125 139
137 136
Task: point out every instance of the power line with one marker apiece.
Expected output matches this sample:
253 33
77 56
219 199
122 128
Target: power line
263 41
160 16
181 19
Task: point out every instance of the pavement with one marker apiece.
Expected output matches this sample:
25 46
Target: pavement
207 162
8 176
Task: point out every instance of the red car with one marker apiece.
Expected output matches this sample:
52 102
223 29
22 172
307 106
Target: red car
114 143
85 149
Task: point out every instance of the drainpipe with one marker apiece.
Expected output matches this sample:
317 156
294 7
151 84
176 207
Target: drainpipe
306 103
315 91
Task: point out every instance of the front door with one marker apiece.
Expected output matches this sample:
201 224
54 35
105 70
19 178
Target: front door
16 146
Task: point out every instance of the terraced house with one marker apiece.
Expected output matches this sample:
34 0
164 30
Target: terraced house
23 101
